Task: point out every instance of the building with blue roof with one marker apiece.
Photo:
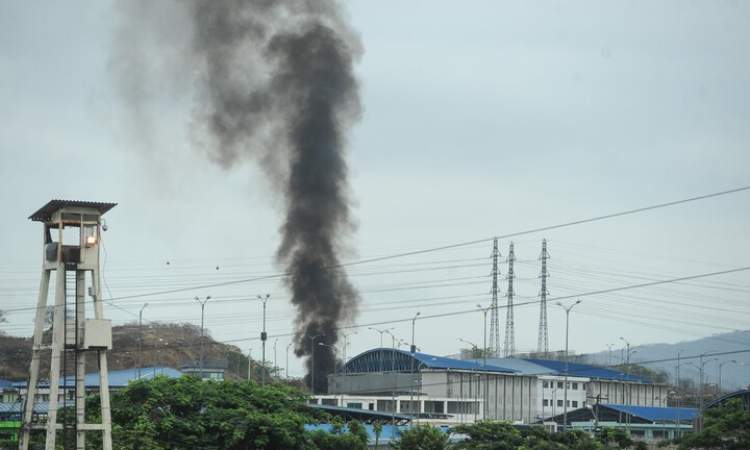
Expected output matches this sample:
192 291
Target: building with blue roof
586 384
588 371
118 379
645 423
452 390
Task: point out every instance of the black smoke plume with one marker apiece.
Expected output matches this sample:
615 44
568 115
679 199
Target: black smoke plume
275 83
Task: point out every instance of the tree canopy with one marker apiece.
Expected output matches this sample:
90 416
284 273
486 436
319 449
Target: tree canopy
725 428
187 413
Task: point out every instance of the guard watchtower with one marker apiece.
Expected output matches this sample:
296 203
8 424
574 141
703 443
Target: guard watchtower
72 234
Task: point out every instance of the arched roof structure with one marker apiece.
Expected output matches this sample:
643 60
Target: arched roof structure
394 360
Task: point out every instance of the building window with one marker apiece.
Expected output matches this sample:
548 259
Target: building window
386 405
433 407
330 401
575 403
568 403
559 385
357 405
559 403
545 384
546 402
409 406
462 407
575 386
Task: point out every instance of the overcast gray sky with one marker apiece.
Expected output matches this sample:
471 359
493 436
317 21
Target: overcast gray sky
480 118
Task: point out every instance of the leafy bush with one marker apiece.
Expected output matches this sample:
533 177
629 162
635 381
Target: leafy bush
421 437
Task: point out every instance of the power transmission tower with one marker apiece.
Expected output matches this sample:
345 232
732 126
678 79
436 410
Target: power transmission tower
510 335
494 347
543 342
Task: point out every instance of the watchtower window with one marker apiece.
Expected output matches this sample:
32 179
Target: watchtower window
71 236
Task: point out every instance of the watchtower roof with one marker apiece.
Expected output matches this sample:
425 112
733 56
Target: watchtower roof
45 212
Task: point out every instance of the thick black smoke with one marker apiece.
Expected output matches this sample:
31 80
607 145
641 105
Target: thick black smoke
276 84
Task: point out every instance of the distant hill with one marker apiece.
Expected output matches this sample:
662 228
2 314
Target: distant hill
164 344
734 375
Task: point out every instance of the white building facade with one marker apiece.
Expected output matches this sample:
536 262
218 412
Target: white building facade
447 390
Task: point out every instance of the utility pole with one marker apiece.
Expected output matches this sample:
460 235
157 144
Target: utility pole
510 334
543 340
203 309
263 337
140 341
565 378
494 317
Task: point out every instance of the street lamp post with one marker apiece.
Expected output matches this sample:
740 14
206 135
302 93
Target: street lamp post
203 309
249 364
140 341
394 341
485 391
263 337
335 350
565 378
721 364
287 358
627 376
275 341
162 343
312 362
627 367
346 344
701 365
380 352
413 357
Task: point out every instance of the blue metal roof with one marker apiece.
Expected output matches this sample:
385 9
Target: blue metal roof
117 378
5 383
521 366
585 370
655 414
388 360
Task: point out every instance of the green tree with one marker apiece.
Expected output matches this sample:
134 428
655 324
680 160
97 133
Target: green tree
611 436
355 438
725 428
377 427
187 413
421 437
488 434
494 435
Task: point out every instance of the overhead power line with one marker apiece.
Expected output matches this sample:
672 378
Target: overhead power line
530 302
451 246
